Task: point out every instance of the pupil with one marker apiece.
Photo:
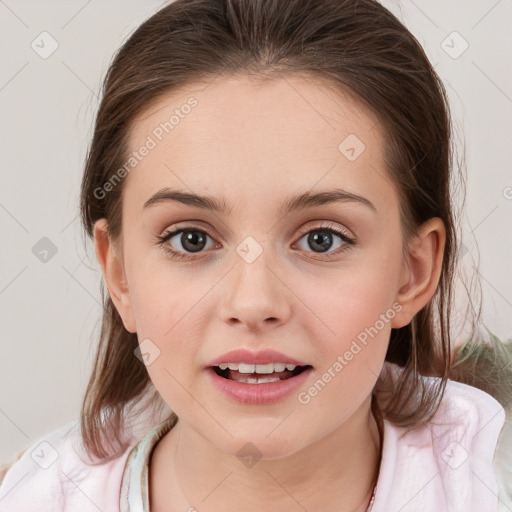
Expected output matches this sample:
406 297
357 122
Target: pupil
190 238
315 239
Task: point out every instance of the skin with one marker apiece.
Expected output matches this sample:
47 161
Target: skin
254 144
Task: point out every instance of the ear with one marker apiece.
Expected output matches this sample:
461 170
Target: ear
421 272
113 271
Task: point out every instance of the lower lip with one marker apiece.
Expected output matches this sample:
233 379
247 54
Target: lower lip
257 394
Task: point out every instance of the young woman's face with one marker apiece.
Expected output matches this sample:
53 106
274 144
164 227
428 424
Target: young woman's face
261 275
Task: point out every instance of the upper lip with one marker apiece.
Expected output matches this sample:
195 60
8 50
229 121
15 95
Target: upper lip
242 355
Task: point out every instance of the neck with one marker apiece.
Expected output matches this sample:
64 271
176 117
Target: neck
336 473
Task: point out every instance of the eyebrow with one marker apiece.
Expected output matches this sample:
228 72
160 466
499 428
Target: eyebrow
300 202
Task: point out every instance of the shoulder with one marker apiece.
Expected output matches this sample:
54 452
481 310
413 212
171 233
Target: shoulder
460 460
503 464
53 475
492 437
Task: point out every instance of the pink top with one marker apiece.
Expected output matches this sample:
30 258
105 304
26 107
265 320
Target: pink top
460 462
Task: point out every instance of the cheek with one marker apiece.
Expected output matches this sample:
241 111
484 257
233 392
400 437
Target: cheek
163 298
171 310
352 308
350 333
352 296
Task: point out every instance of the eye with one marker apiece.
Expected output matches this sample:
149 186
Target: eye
191 240
320 239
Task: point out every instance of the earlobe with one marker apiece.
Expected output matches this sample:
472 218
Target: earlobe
114 275
422 271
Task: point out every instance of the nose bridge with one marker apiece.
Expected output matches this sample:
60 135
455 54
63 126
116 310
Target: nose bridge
255 293
253 267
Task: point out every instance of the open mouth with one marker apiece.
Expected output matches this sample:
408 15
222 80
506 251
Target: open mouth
258 378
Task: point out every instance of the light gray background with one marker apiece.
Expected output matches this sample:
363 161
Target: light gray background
50 311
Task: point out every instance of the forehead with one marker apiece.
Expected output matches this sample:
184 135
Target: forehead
235 136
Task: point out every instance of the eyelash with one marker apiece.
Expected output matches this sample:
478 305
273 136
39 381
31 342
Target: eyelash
329 228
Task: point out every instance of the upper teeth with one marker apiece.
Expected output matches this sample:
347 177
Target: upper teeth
257 368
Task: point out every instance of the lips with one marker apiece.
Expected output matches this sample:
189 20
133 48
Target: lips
255 391
267 356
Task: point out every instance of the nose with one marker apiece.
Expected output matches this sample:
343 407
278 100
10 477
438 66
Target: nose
255 297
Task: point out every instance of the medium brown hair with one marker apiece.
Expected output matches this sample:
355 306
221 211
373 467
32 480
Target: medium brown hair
355 45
